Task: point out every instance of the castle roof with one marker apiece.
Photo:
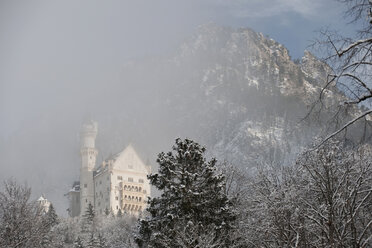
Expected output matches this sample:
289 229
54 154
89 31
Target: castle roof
126 159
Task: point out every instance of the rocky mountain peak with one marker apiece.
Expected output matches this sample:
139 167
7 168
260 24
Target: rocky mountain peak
314 68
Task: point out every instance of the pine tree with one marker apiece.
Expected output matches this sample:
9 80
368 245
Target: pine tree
102 241
119 214
89 219
78 243
92 242
52 216
49 220
192 194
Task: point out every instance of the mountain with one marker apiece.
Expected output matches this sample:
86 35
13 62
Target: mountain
240 93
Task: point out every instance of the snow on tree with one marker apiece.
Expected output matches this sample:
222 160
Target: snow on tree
119 232
339 195
325 200
92 242
350 59
21 220
51 216
89 220
193 193
78 243
101 241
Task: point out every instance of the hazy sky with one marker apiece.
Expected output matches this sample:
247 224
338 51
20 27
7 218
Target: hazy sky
45 43
61 60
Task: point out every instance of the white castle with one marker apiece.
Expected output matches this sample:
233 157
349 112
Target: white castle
119 183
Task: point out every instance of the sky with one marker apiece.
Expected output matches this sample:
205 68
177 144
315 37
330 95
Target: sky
44 42
61 60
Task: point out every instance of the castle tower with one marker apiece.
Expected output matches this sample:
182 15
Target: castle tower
88 161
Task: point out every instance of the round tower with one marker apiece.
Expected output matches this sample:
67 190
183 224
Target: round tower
88 161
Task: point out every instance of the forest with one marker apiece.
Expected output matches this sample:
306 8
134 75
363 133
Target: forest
322 197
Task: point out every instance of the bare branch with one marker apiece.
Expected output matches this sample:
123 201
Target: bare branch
341 129
351 46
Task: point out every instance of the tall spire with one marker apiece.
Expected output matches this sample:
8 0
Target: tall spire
88 161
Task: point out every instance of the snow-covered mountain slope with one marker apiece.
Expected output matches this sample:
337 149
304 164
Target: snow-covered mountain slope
240 93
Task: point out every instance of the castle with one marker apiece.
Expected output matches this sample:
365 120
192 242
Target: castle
119 183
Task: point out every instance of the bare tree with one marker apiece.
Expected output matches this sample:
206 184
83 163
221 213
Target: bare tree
350 59
21 220
338 196
273 212
325 200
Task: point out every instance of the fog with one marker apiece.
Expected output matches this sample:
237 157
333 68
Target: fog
65 62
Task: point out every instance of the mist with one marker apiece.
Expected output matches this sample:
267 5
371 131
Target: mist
66 62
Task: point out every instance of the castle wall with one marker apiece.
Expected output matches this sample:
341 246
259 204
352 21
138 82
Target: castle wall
102 183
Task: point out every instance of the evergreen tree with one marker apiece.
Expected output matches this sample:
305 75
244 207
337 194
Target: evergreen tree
49 220
52 216
119 214
92 242
78 243
192 194
89 219
102 241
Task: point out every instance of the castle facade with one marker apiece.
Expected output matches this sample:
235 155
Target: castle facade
119 183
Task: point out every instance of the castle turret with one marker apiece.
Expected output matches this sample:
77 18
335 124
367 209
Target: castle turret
88 161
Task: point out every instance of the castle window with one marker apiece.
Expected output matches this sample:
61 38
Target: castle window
130 179
117 207
120 178
100 182
140 180
85 185
116 198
